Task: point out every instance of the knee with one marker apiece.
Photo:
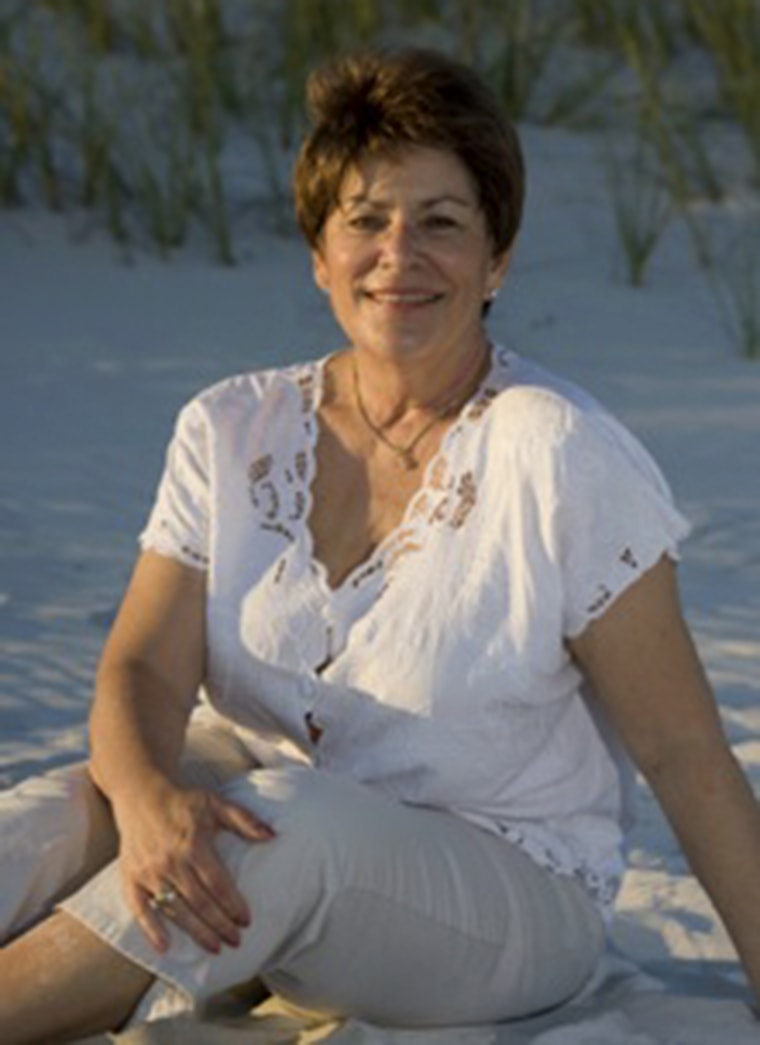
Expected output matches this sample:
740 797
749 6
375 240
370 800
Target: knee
298 800
57 800
291 880
319 821
54 831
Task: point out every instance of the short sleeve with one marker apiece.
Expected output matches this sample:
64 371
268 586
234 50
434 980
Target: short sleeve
616 516
178 525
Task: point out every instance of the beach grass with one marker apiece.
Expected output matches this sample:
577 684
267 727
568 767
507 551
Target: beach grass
641 205
735 281
132 109
729 33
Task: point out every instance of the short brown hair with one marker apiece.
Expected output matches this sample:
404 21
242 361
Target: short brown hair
380 101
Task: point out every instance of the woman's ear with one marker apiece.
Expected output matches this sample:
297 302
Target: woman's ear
499 267
319 271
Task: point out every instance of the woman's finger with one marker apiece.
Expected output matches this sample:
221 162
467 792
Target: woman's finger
187 917
219 883
147 918
209 891
240 821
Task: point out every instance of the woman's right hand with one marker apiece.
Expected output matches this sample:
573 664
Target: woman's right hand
167 846
147 684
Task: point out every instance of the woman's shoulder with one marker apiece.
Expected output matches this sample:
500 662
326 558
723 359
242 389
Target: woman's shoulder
535 401
242 395
551 417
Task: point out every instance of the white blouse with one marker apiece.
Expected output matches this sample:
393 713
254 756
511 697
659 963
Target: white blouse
437 671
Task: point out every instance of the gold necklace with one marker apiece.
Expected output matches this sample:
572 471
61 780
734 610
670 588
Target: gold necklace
405 452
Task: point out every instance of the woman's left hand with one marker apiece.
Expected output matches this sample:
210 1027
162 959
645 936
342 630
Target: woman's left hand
644 669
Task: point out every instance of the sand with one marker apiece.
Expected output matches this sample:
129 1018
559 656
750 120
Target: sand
98 353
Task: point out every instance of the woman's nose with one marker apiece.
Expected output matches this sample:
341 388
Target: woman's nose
400 241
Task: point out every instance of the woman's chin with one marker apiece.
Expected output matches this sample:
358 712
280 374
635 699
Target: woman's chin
402 336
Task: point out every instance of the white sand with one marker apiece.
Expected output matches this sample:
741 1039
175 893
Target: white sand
97 356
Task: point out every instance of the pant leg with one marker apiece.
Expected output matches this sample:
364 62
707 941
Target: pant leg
366 907
56 830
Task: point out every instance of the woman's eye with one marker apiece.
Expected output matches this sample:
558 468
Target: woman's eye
440 222
365 222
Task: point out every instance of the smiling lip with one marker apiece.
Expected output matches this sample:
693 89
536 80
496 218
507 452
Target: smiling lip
403 297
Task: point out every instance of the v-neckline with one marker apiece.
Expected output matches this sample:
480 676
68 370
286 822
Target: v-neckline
373 564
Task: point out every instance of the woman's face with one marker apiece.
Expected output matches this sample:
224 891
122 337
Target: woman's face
406 257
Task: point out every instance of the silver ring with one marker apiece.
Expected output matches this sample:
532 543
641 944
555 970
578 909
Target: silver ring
164 898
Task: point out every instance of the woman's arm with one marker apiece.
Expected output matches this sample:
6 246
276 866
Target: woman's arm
146 686
149 674
641 661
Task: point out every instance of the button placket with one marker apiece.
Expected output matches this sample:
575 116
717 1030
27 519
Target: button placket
307 687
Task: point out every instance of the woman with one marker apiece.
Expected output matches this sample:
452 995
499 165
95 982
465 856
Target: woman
428 589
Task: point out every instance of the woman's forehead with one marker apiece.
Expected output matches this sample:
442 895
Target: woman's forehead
418 174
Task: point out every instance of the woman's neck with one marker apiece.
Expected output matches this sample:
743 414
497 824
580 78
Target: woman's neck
391 390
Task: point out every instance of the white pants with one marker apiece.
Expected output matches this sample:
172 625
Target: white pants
362 906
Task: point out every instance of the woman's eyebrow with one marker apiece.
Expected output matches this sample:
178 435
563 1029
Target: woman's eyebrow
359 198
460 201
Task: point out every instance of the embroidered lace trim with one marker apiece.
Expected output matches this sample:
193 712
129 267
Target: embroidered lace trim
280 491
601 887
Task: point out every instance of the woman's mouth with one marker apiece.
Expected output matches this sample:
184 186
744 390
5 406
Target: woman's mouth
401 298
